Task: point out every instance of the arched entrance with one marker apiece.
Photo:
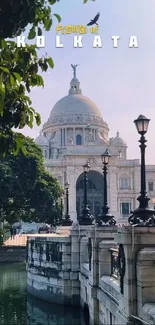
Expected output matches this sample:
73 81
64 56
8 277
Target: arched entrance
94 193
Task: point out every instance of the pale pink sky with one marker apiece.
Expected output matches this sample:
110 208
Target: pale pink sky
120 81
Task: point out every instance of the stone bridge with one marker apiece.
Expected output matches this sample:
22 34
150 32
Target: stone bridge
107 270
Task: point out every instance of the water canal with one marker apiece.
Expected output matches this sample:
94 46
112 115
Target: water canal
18 308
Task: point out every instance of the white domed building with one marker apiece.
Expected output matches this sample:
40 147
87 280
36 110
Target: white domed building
75 134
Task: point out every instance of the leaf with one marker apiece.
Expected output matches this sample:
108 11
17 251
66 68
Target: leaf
44 66
32 33
28 100
17 144
12 80
38 119
2 104
23 149
58 17
4 69
2 89
52 2
31 117
21 90
85 1
17 76
36 81
33 68
48 24
39 31
3 43
40 81
50 62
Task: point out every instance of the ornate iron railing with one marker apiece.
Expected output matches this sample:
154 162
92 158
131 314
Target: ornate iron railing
114 263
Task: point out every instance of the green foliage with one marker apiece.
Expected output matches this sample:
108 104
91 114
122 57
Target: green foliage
16 15
19 73
85 1
20 67
28 192
58 17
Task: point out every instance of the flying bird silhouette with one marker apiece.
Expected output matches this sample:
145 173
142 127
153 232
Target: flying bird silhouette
94 21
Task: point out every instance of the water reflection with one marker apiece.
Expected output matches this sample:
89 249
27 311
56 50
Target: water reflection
41 313
16 308
13 295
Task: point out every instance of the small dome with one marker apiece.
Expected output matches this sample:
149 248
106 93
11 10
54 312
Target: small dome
117 141
41 140
74 87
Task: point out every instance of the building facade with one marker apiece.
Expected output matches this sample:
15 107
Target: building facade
75 134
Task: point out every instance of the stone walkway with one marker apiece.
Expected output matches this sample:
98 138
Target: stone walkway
18 240
21 240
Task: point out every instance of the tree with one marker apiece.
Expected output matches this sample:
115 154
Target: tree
20 67
16 15
28 192
45 201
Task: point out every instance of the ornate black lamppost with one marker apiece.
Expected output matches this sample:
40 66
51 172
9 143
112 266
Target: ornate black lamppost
61 206
105 218
61 209
142 216
67 221
86 217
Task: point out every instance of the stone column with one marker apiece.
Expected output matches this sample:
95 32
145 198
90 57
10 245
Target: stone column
59 138
106 236
83 250
84 141
74 137
72 193
127 300
105 257
145 277
72 203
77 233
63 137
97 235
66 137
112 189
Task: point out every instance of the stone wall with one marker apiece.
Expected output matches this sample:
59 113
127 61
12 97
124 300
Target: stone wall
49 271
12 254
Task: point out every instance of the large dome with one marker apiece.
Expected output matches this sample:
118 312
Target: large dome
75 104
75 109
